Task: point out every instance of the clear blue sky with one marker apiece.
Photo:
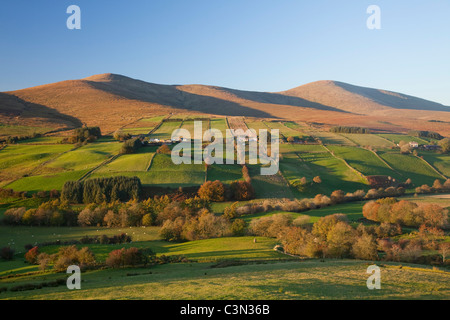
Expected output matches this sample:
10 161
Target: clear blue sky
262 45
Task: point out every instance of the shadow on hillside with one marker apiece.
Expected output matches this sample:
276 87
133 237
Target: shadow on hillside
172 97
280 99
13 107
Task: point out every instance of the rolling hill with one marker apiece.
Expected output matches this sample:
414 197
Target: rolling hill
111 101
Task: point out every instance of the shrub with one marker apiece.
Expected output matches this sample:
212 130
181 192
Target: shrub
212 191
238 227
7 253
32 255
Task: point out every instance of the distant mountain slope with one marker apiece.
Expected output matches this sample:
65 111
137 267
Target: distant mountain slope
360 100
111 101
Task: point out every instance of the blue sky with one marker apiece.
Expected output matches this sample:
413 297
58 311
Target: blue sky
261 45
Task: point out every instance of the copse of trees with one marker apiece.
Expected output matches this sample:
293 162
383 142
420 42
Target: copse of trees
212 191
343 129
406 213
119 135
131 146
84 135
425 134
437 187
101 190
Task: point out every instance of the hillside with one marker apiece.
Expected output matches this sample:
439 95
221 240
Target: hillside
111 101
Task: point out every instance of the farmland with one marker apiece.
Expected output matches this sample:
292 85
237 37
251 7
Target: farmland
249 268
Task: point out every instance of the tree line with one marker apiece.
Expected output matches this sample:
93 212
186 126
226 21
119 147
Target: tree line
101 190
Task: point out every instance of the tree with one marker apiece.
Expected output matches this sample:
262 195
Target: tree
32 255
317 180
238 227
365 248
444 250
212 191
164 149
242 190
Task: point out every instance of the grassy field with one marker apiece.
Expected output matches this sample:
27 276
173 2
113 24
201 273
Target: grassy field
410 167
331 138
165 131
364 161
130 162
13 130
335 175
86 157
296 280
440 161
369 140
22 160
163 173
396 138
225 173
219 124
284 130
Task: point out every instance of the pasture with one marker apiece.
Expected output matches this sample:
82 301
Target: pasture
410 167
368 140
364 161
165 131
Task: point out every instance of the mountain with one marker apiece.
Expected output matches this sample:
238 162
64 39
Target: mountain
362 100
111 101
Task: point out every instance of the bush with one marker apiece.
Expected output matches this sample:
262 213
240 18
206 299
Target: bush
242 190
128 257
7 253
32 255
212 191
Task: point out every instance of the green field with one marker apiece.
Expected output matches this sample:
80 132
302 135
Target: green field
364 161
130 162
396 138
331 138
369 140
284 130
165 131
335 175
86 157
164 173
439 161
22 160
410 167
225 173
219 124
13 130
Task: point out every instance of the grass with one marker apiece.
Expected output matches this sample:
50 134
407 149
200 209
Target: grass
21 160
335 175
440 161
165 131
410 167
284 130
46 182
364 161
369 140
12 130
396 138
225 173
130 162
86 157
331 138
219 124
296 280
164 173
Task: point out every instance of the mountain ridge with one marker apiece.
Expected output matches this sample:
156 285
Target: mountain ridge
110 100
